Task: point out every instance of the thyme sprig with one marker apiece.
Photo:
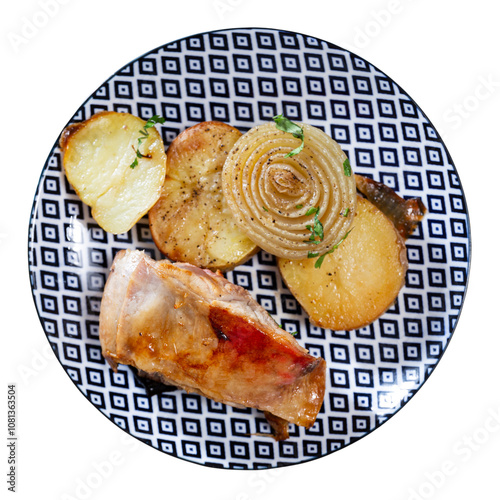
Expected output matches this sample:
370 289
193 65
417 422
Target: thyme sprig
319 262
316 228
347 168
144 134
286 125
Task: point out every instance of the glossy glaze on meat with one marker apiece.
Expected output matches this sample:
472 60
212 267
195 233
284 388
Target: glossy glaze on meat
192 328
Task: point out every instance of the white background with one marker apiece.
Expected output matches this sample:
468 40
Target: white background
445 444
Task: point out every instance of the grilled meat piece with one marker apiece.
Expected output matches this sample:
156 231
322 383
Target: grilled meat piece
190 327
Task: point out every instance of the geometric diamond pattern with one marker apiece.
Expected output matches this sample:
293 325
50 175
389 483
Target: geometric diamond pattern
245 77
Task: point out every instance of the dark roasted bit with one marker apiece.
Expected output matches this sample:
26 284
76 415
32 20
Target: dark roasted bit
278 425
189 327
404 214
150 385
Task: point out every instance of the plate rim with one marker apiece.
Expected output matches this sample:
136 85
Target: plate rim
34 211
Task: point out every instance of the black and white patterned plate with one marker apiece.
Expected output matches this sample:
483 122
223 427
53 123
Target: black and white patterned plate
245 77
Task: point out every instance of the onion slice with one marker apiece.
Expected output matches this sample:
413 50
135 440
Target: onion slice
292 207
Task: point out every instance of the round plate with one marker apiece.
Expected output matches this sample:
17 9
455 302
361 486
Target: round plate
245 77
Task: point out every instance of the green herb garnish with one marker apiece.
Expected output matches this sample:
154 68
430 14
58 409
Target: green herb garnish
144 134
347 168
316 228
345 212
286 125
264 208
299 206
312 210
318 263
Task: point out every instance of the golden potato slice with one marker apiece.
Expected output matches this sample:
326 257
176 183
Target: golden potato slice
97 158
357 282
191 222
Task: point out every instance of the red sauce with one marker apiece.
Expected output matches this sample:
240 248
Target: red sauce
250 345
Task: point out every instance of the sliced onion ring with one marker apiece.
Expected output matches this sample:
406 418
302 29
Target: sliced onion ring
270 194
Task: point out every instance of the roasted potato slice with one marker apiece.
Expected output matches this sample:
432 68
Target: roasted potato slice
97 158
357 282
191 222
404 214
